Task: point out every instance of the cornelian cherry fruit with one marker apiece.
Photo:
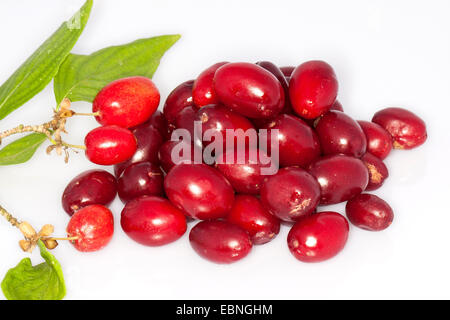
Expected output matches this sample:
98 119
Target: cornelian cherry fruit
379 141
177 100
203 90
378 171
369 212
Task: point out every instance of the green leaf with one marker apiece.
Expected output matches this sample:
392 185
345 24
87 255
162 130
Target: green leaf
81 77
42 282
21 150
39 69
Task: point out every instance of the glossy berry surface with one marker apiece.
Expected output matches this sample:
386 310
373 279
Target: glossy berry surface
379 141
378 172
249 214
369 212
287 70
177 100
140 179
298 143
290 194
313 89
203 90
220 241
88 188
340 177
152 221
126 102
407 129
318 237
159 122
245 171
183 150
340 134
110 145
185 120
149 140
200 191
94 227
249 90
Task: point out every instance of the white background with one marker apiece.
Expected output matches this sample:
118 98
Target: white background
385 53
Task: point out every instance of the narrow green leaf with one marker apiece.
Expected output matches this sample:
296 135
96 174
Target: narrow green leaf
21 150
42 282
40 68
81 77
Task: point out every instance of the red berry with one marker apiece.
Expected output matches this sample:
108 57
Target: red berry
245 175
249 90
337 106
185 120
110 145
152 221
165 154
178 99
249 214
369 212
340 178
298 143
407 129
90 187
140 179
378 171
291 194
126 102
149 140
220 241
94 227
159 122
379 141
203 91
313 89
318 237
340 134
199 190
287 71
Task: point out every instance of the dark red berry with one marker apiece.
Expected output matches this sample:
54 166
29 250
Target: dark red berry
203 90
298 143
369 212
178 99
185 120
93 226
220 241
159 122
249 90
313 89
318 237
152 221
287 71
199 190
110 145
140 179
89 187
165 154
379 141
291 194
407 129
126 102
340 178
337 106
340 134
378 171
249 214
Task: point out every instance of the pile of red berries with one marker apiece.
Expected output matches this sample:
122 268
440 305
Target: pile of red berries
325 157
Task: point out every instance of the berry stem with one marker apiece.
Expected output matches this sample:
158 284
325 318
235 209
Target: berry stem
60 239
9 217
94 114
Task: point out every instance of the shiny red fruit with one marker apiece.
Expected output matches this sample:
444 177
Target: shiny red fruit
407 129
313 89
249 214
369 212
152 221
185 120
378 171
159 122
177 100
203 90
291 194
140 179
89 187
340 177
287 70
149 140
244 168
298 143
94 227
110 145
199 190
249 90
165 154
340 134
126 102
220 241
318 237
379 141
